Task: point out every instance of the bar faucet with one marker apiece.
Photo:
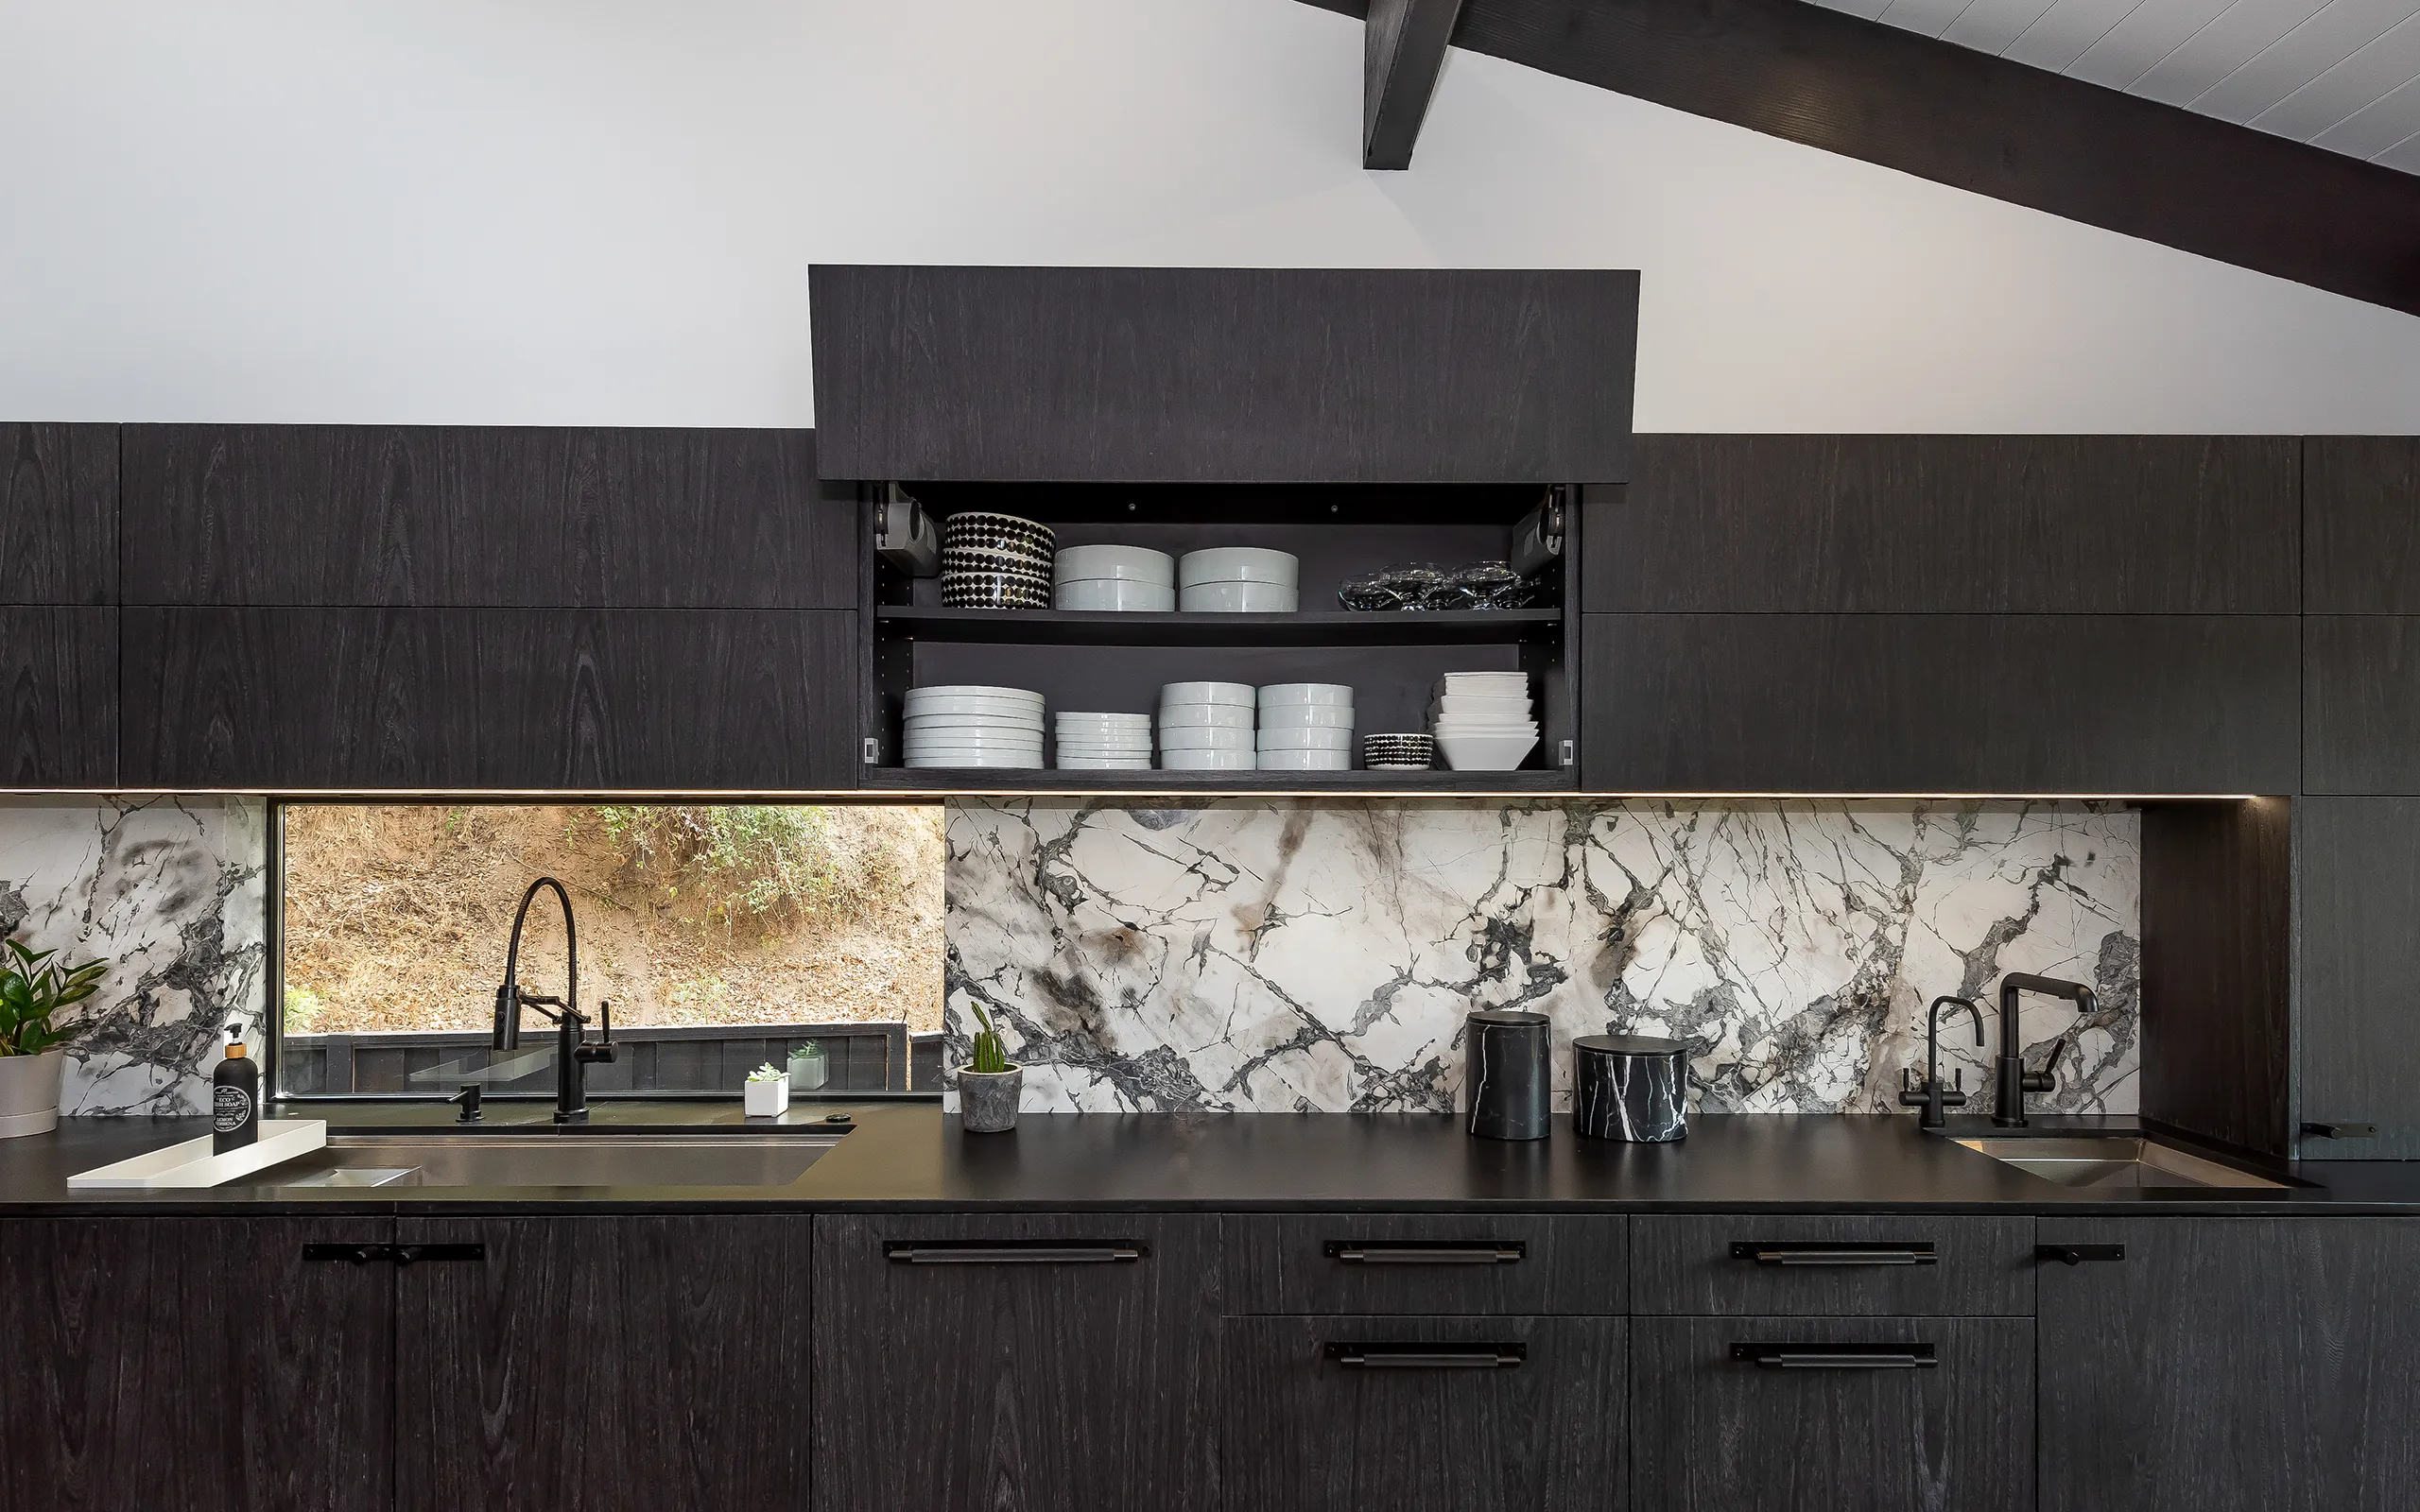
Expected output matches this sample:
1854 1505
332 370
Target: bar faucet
2014 1081
1931 1096
573 1054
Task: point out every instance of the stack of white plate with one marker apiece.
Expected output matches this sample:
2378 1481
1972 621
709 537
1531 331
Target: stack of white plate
1134 579
1483 721
1104 742
971 725
1305 727
1205 726
1237 580
995 562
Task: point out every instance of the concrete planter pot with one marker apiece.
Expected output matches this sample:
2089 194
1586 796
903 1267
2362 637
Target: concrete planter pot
30 1092
987 1100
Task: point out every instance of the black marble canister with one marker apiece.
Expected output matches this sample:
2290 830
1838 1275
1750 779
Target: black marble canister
1509 1085
1625 1087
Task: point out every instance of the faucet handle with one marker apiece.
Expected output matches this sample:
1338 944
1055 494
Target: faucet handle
603 1052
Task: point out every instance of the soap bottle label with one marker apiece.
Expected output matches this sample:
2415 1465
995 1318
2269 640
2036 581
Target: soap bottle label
230 1110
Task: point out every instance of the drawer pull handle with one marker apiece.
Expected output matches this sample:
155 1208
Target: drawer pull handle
1835 1254
1428 1356
2078 1254
1384 1253
1837 1356
348 1254
392 1254
411 1254
1108 1252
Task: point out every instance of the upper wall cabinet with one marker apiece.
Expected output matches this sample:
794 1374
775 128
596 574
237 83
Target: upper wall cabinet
483 516
2361 497
1224 375
58 514
2041 524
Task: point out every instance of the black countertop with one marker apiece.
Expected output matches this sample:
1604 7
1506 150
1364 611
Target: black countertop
909 1156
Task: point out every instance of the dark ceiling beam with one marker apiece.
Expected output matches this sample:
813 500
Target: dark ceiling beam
1403 50
1965 118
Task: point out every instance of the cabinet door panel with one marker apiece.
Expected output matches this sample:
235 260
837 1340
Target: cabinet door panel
2363 524
59 708
1310 1432
1946 703
603 1362
1716 1432
2362 704
2229 1365
168 1364
484 515
1016 1385
57 514
2358 1041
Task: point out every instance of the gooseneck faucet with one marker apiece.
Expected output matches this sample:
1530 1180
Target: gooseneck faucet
573 1055
1932 1097
2014 1081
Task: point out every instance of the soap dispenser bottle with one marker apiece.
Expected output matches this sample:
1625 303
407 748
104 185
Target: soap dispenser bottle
235 1099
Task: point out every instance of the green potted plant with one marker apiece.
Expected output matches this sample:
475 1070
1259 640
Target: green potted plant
33 990
766 1092
989 1084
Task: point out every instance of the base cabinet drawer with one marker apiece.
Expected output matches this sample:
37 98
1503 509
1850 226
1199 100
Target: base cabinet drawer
1436 1264
1911 1265
1424 1415
1819 1414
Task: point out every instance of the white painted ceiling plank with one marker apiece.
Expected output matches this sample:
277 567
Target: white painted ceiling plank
2136 44
2378 126
2371 74
1870 10
1931 17
2222 47
1992 25
2062 33
2341 29
2404 155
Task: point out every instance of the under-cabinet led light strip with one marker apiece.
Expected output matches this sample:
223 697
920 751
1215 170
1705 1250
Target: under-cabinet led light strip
899 794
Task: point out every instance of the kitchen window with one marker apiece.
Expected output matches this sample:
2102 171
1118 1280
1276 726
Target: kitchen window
724 936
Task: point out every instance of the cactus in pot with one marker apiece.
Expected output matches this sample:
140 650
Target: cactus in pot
989 1084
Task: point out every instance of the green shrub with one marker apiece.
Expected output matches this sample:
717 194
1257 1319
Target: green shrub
747 867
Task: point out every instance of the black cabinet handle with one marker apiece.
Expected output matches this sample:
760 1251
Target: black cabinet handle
394 1254
2078 1254
1921 1254
349 1254
1837 1356
414 1254
2340 1131
1105 1252
1428 1356
1414 1252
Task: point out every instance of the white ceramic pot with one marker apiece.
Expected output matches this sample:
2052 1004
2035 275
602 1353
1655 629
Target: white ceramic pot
30 1092
767 1099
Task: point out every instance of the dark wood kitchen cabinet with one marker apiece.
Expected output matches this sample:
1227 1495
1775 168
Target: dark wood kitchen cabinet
173 1363
2357 1050
59 697
58 535
1017 1363
1425 1414
2361 521
2361 703
2231 1365
603 1362
1207 376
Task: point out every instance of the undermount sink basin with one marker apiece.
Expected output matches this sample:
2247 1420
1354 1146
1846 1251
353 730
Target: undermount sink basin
2112 1161
553 1161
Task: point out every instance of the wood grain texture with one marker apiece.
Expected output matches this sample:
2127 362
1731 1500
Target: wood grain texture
57 514
2218 969
1017 1388
1305 1435
1947 703
2357 1054
1710 1432
2232 1365
173 1363
2362 516
1278 1263
604 1362
1224 374
58 703
1402 51
484 515
1684 1266
1989 124
674 701
2362 704
2037 524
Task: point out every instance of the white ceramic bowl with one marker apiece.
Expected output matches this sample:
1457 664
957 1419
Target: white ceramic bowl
1225 715
1305 761
1307 716
972 735
1238 598
1236 693
1019 755
1471 703
1204 737
1107 595
1312 739
1021 719
1006 763
1281 694
971 690
1238 564
1105 763
1133 564
1104 745
1484 753
1486 684
1207 761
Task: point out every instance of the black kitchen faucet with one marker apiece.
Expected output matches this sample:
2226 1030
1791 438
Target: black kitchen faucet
2014 1081
572 1054
1932 1097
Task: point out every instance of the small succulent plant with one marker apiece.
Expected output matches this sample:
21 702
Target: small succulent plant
767 1073
991 1055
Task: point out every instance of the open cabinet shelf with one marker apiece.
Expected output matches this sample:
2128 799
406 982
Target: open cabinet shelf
1052 627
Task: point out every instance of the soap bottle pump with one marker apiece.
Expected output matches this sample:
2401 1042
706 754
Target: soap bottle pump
235 1098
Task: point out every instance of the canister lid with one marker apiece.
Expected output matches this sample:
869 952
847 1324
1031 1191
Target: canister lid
1508 1019
1628 1044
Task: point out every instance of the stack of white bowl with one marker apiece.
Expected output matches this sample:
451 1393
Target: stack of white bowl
1104 742
972 725
1131 579
1206 727
1238 580
1305 727
1483 721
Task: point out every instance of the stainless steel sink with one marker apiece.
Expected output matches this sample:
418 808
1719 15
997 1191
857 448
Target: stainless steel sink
553 1161
2112 1161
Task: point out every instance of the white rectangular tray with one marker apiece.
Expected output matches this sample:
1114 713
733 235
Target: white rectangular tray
191 1164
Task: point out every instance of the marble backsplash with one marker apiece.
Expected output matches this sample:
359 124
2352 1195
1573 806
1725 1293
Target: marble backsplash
173 892
1266 956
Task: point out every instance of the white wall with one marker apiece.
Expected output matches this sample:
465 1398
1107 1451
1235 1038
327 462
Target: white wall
603 211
